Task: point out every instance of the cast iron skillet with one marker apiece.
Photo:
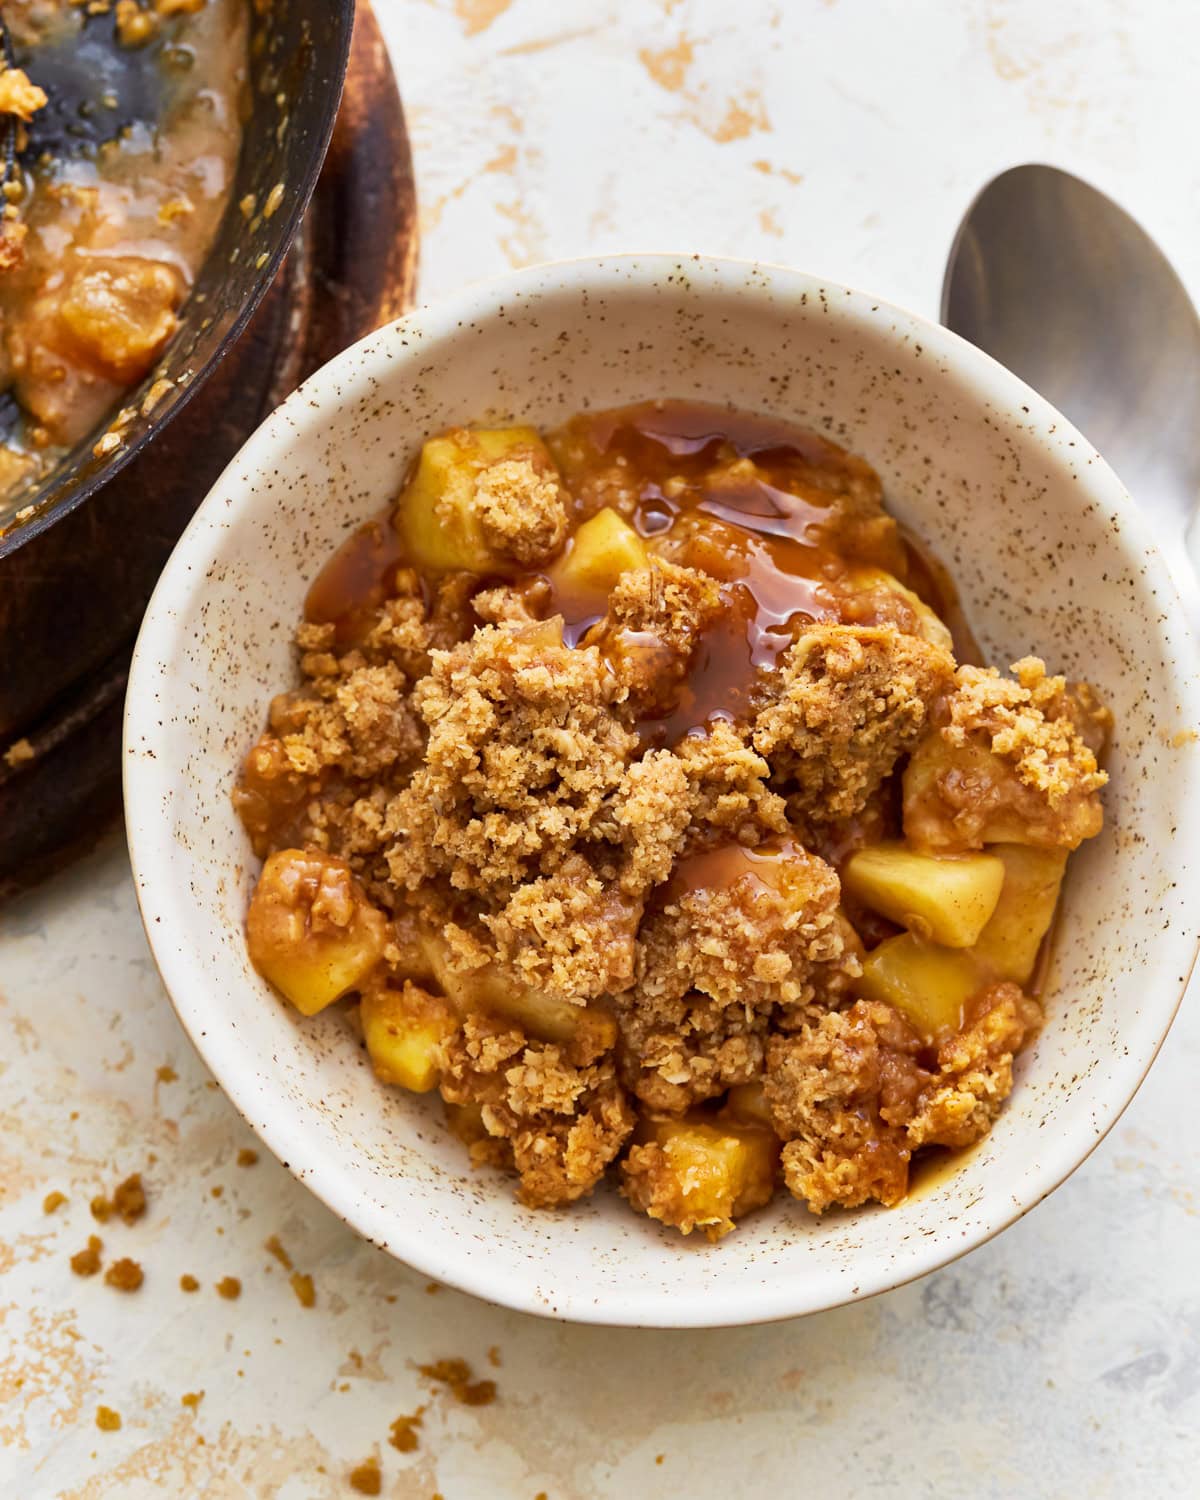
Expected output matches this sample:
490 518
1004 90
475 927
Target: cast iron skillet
74 577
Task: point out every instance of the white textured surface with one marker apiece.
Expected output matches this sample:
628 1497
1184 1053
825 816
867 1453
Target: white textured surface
1060 1359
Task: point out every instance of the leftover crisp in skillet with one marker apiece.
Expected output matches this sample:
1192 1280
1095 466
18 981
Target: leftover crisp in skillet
113 211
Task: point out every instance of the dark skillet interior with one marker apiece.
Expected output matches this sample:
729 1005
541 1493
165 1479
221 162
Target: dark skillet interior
298 50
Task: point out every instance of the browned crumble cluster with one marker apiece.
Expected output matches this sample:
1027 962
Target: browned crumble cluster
588 738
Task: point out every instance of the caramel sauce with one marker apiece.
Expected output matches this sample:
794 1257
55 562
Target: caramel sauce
778 516
719 869
356 580
768 509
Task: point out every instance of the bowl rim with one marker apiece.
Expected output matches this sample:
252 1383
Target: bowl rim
147 779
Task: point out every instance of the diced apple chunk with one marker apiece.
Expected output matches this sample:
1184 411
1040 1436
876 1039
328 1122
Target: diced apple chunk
747 1103
405 1031
437 515
541 1016
603 548
311 931
947 899
694 1174
930 625
1010 942
930 986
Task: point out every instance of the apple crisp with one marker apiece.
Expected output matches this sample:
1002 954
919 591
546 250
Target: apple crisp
643 790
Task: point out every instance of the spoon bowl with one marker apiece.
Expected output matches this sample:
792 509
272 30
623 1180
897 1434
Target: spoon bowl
1069 292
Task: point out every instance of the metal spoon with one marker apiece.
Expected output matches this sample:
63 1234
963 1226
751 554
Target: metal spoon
1055 281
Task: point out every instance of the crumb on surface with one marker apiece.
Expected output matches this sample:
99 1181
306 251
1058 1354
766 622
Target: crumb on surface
273 1247
128 1201
107 1420
366 1477
86 1262
303 1287
230 1288
247 1157
188 1283
455 1375
403 1434
166 1074
191 1399
52 1202
125 1275
21 751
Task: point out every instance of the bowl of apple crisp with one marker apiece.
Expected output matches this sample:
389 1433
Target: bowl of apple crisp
662 789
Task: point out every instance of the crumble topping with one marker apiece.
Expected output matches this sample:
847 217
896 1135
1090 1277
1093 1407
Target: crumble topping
585 737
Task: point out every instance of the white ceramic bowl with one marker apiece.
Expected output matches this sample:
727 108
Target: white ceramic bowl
1048 555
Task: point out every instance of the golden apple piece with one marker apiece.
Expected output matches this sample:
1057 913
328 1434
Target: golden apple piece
697 1174
544 1017
1010 943
746 1103
310 929
437 515
603 548
930 624
405 1031
929 985
946 898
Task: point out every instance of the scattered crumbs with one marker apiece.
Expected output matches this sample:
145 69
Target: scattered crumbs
188 1283
167 1074
192 1399
404 1431
456 1375
305 1291
87 1262
246 1157
659 1458
74 1115
18 753
107 1420
274 199
433 1287
209 1083
366 1479
494 1357
52 1202
128 1200
391 1297
1184 737
216 1190
277 1250
248 205
230 1288
125 1274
